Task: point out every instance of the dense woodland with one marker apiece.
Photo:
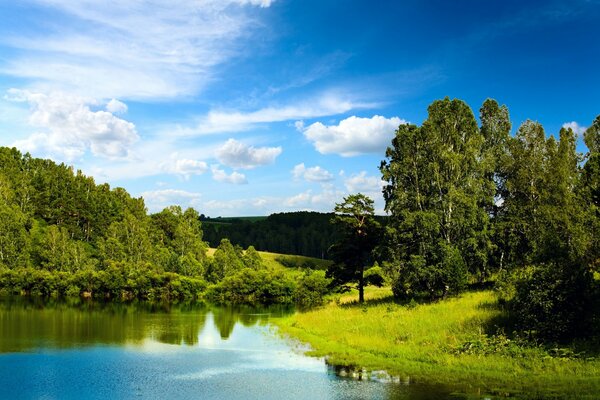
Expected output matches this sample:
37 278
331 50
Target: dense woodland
304 233
472 205
469 204
62 234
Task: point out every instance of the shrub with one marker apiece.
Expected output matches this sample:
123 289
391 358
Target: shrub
311 289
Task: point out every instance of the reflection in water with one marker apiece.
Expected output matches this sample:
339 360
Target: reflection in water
98 350
27 324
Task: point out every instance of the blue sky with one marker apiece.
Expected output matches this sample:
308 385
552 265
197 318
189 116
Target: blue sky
248 107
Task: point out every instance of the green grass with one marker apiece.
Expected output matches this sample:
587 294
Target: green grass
421 342
270 261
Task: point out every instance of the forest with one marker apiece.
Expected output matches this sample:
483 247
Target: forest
469 205
303 232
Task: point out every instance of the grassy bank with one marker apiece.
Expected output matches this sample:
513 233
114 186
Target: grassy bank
444 342
273 261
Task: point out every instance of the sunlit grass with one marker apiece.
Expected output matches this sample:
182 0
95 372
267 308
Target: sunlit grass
420 342
270 260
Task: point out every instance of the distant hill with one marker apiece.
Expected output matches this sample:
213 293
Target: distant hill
302 233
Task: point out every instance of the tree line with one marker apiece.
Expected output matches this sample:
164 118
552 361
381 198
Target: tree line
61 234
469 204
303 233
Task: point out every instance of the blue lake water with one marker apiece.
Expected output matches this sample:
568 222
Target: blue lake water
112 351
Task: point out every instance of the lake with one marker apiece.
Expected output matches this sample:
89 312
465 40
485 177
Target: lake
91 350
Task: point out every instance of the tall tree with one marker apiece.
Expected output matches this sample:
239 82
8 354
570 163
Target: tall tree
360 233
437 193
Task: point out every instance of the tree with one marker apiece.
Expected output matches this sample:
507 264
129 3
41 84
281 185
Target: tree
554 223
437 193
360 234
14 248
590 190
252 259
225 262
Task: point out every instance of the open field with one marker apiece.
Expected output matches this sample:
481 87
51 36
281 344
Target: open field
271 261
443 342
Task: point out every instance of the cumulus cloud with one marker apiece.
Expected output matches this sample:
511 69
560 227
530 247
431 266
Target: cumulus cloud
312 174
69 127
353 135
364 184
116 107
577 129
220 175
131 49
236 154
185 167
157 200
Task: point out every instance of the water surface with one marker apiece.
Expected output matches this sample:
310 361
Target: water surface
53 350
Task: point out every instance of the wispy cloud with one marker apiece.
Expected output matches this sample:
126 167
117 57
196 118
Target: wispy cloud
131 49
237 121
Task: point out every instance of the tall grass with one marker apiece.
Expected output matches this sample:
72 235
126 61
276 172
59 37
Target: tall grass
443 342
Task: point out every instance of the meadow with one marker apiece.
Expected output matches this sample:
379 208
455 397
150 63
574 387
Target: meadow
453 342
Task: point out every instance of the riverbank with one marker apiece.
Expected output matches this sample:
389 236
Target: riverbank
443 342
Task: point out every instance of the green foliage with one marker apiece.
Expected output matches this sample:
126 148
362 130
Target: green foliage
251 259
360 234
63 235
375 276
112 283
311 289
438 191
226 262
550 223
296 262
14 244
443 341
552 302
301 233
253 286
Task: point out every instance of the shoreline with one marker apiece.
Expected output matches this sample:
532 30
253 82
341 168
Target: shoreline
423 344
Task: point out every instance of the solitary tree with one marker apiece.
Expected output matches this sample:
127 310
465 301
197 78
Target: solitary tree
359 232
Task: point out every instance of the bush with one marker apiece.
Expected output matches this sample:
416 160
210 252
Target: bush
311 288
551 301
296 262
251 286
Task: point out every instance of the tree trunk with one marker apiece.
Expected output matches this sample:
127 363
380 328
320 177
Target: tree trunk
361 285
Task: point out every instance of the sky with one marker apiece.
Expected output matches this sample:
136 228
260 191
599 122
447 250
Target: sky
250 107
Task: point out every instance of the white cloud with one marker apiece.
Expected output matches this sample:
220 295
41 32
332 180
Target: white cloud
353 135
157 200
116 107
131 49
186 167
577 129
236 154
301 199
220 175
312 174
237 121
364 184
69 127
